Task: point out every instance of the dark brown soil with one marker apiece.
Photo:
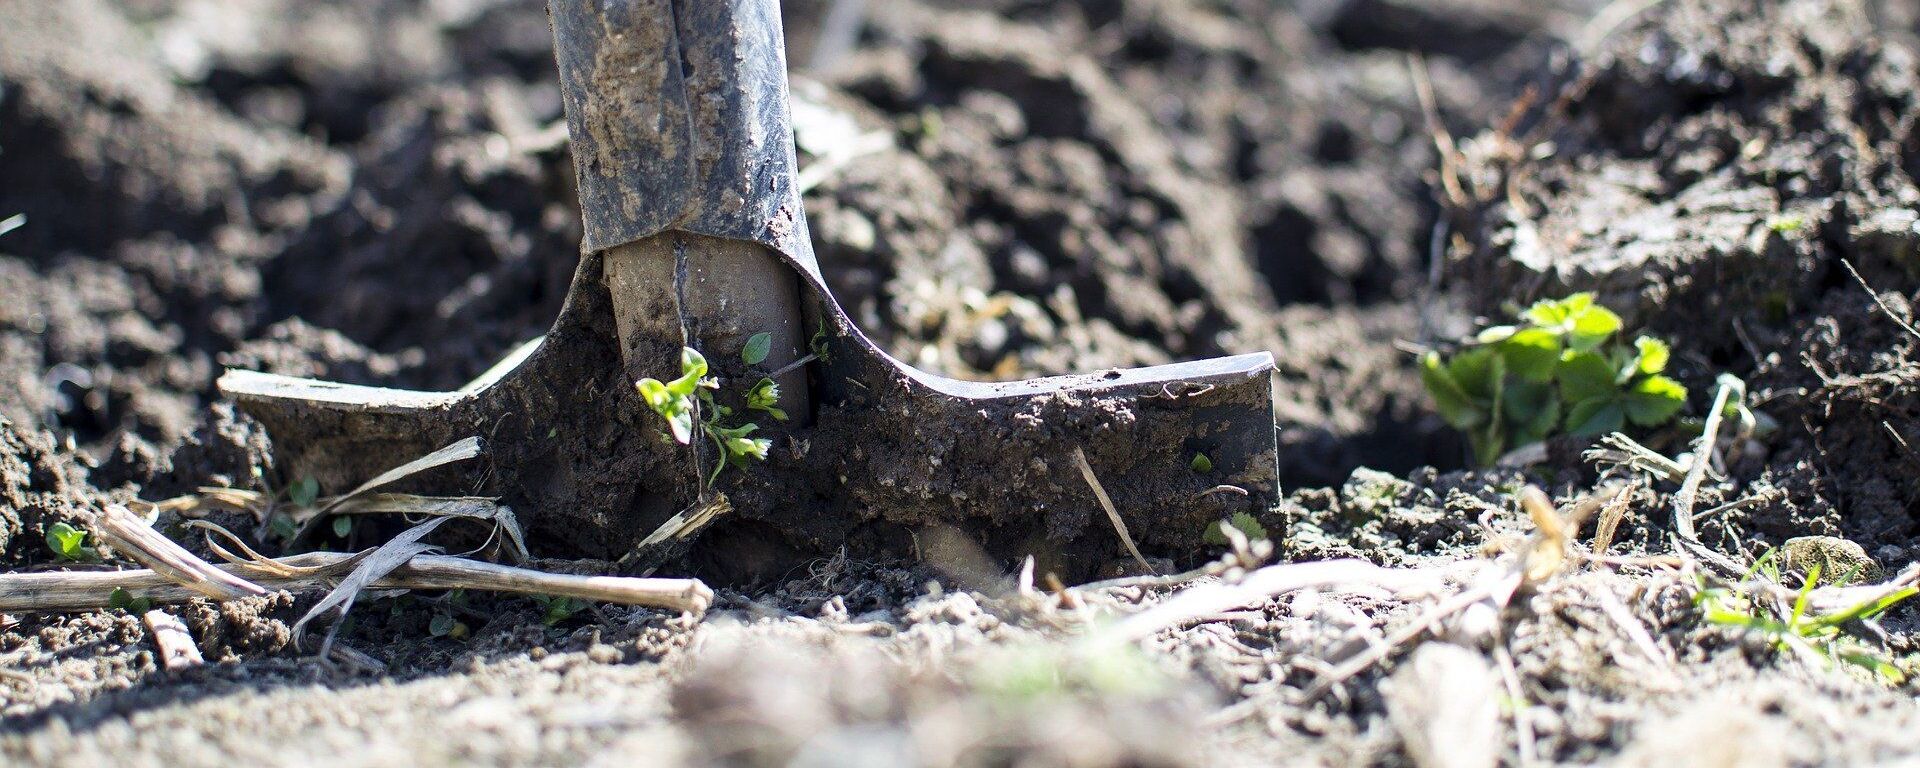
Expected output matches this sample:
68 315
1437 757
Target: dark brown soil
379 191
1720 193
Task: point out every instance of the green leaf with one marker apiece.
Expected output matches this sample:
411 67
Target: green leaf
283 528
1532 411
758 347
1453 403
1244 522
1592 327
342 525
1597 416
654 392
680 425
1201 463
675 407
559 609
1654 354
122 599
1653 400
441 625
743 447
1558 313
304 492
1531 354
1477 371
765 396
1586 376
1496 334
67 542
692 364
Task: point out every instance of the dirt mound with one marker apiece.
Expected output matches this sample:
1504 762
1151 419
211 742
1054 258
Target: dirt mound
1717 172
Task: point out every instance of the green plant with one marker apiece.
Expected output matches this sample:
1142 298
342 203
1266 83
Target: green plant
1823 638
342 526
69 544
445 625
557 609
757 348
123 600
765 396
688 400
1242 522
283 528
1559 371
1201 463
304 492
818 344
1041 675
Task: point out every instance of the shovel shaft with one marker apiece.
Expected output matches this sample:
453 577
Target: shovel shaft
678 113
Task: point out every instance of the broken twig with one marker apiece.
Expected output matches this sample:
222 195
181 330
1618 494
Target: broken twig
59 591
1702 456
171 638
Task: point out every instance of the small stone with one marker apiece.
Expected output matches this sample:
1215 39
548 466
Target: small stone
1836 558
1368 492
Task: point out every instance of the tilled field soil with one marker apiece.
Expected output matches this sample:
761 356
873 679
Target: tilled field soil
380 191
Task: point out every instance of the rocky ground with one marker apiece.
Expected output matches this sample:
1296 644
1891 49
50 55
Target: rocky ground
379 191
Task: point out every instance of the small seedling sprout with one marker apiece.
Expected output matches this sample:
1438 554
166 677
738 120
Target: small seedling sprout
1560 371
1243 522
1824 637
445 625
304 492
123 600
557 609
684 399
69 544
1201 463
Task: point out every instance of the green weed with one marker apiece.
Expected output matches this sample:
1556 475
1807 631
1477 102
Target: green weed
684 399
69 544
557 609
1241 521
123 600
445 625
1559 371
1201 463
304 492
1822 637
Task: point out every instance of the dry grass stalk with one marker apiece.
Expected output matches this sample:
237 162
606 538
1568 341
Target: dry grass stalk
61 591
1703 448
133 537
1609 524
1113 513
380 562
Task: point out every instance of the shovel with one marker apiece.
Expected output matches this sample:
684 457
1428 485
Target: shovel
695 239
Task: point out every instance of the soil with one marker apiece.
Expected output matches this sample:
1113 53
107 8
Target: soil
380 192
